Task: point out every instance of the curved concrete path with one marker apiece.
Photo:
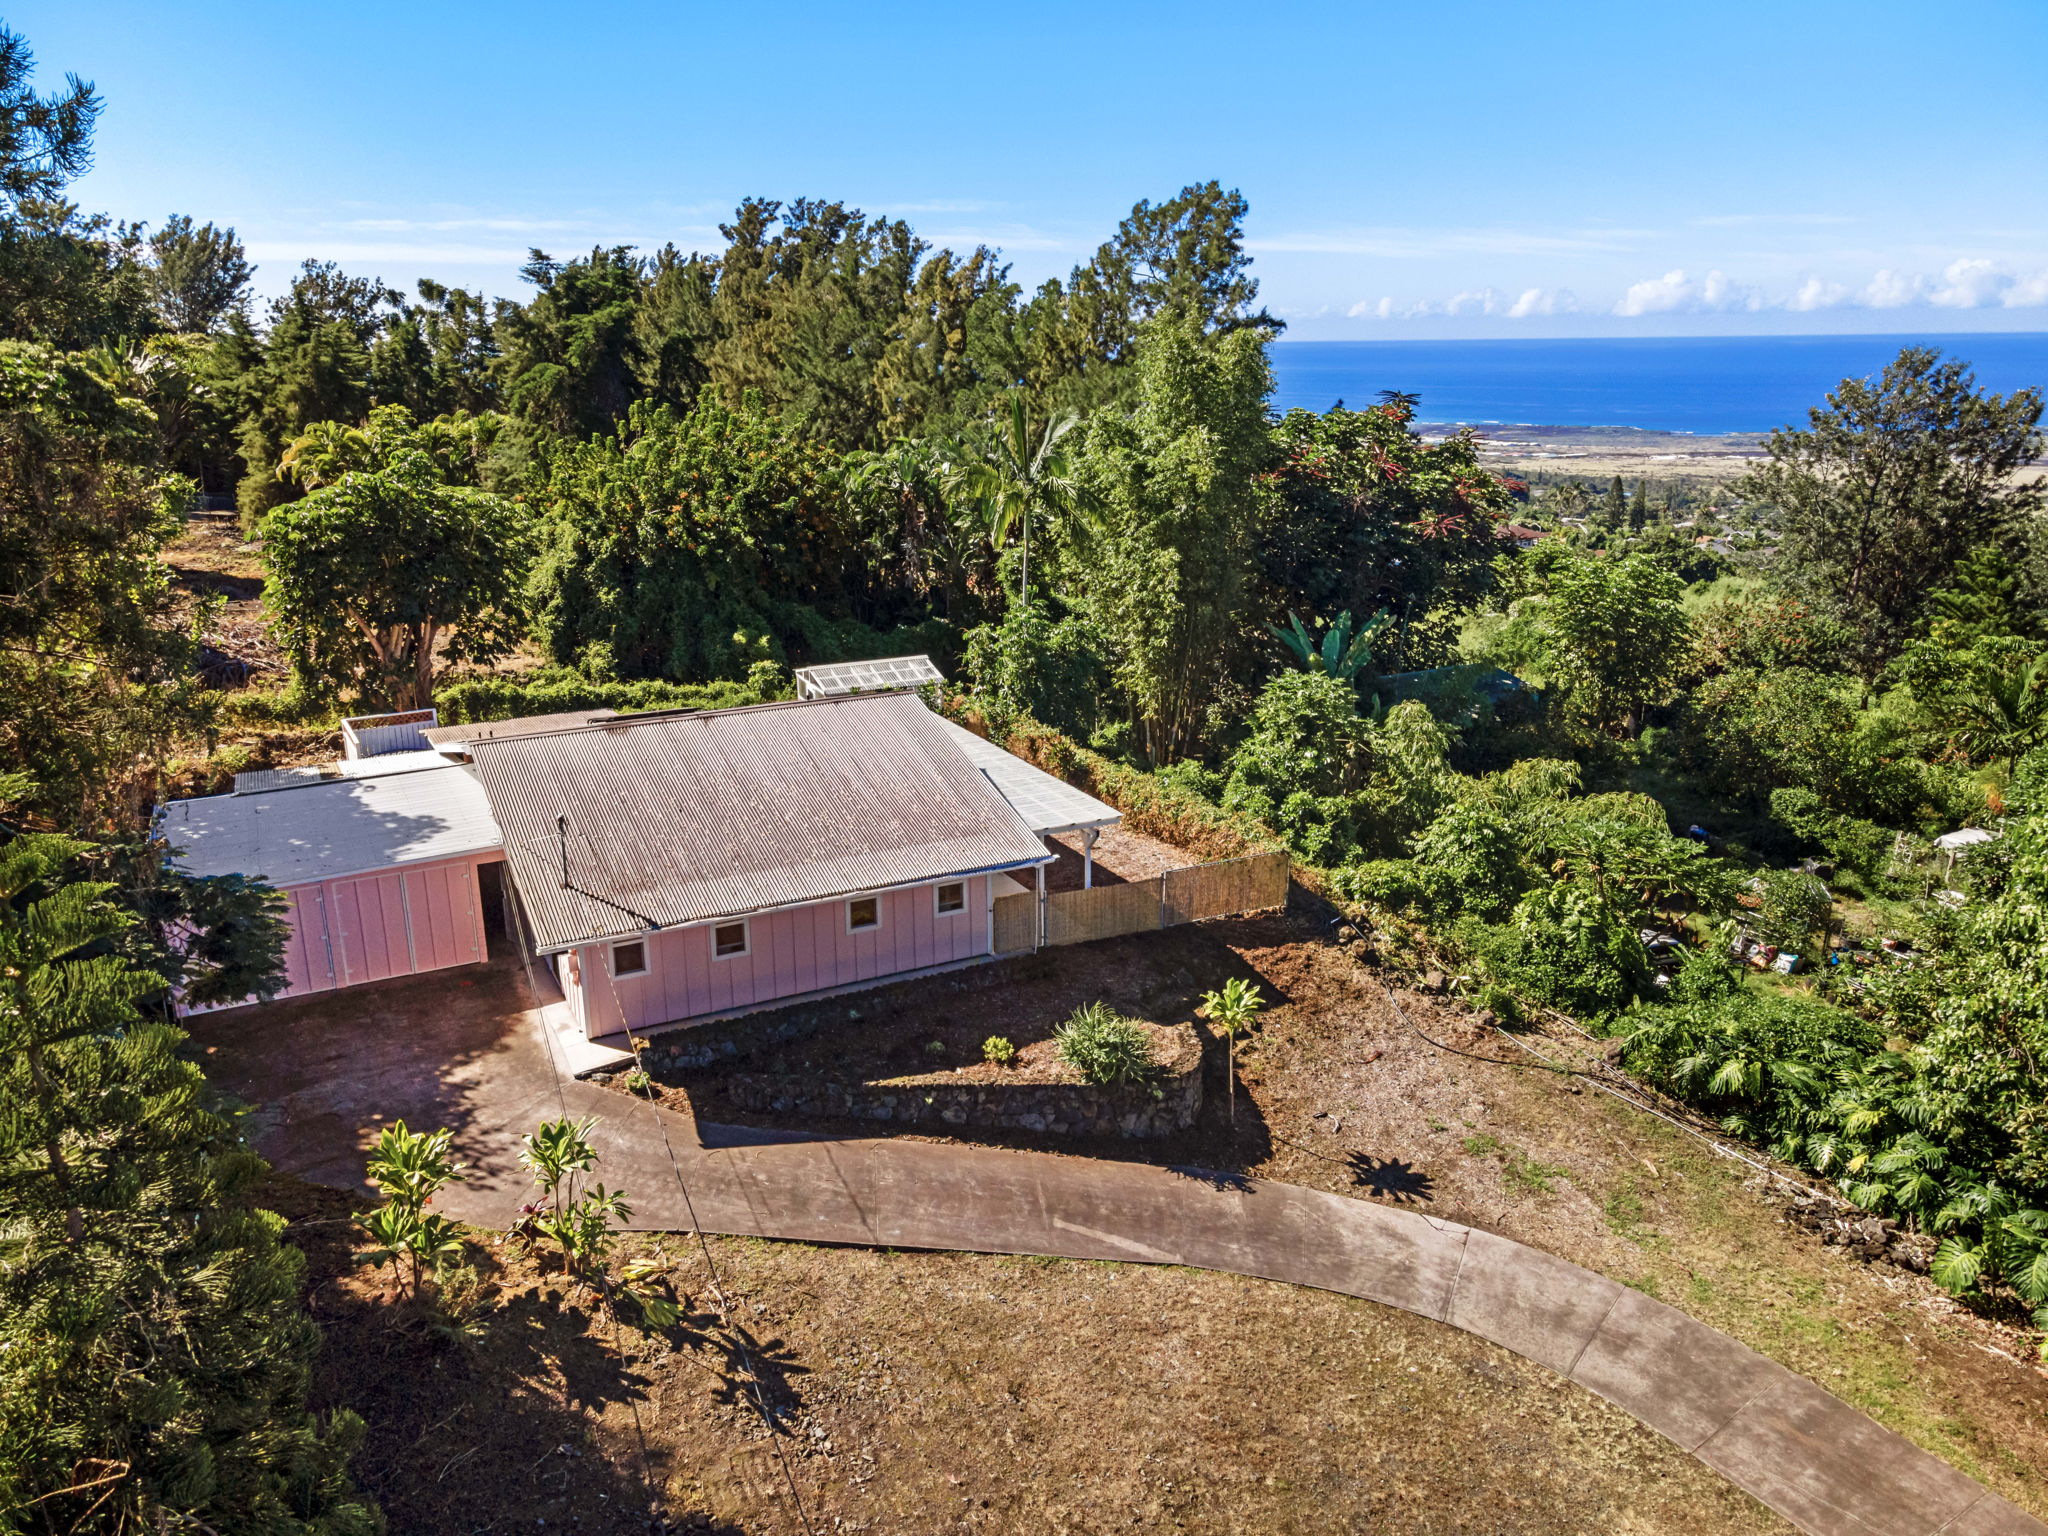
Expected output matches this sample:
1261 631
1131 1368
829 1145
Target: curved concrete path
338 1064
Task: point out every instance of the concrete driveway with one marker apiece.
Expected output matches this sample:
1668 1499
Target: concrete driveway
467 1049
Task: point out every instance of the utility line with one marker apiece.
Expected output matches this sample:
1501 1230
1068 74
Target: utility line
1544 1063
725 1314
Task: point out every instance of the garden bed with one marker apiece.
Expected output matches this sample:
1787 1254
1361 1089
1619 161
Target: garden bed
1038 1092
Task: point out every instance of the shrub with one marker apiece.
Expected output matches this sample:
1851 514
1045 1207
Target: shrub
1104 1046
1469 859
998 1050
1795 908
1563 947
559 690
1393 884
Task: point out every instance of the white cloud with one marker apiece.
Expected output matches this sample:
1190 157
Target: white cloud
1818 293
1543 301
1967 283
1676 293
1895 290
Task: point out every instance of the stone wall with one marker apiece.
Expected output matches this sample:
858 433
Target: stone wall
940 1100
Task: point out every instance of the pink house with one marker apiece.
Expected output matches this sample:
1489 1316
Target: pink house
678 865
668 866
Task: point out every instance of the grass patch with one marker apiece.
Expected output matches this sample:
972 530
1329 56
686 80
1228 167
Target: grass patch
1528 1174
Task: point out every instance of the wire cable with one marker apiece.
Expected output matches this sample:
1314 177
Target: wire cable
1545 1064
725 1316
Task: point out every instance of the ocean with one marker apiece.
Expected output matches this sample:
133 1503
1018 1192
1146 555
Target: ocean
1700 384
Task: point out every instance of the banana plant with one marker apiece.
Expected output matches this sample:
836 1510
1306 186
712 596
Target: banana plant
1341 653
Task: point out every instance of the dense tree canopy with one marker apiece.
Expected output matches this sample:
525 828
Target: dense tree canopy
1892 485
387 574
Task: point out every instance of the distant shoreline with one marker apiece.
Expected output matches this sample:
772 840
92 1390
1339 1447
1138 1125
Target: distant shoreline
1712 396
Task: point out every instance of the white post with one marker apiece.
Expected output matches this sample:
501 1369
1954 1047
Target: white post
1041 908
1088 837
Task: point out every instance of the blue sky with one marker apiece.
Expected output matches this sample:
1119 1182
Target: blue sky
1453 169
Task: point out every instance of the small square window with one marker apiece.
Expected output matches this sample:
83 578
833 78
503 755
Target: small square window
629 958
729 939
863 912
952 897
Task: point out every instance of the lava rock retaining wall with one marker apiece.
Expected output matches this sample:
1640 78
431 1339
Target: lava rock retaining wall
1167 1104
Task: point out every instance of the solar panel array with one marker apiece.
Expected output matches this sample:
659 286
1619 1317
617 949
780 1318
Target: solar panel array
837 679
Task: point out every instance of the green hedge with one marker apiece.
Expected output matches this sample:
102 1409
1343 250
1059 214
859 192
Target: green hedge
504 698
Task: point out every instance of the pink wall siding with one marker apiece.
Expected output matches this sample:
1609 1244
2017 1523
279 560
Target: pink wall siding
805 949
369 927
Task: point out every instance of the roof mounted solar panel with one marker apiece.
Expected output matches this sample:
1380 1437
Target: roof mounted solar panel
837 679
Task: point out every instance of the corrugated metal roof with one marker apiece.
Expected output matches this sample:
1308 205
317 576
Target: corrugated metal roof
677 819
335 827
444 736
1047 804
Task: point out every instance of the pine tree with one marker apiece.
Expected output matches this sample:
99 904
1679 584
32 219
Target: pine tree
153 1348
1639 507
1614 506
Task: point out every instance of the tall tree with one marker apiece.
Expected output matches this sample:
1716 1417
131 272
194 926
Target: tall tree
1639 508
1616 636
154 1351
1613 513
94 667
198 275
570 354
1891 485
1025 472
312 365
1366 516
385 576
1174 495
1183 258
683 546
45 141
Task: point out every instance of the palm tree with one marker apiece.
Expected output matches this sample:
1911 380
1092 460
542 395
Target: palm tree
1232 1010
919 478
2008 708
1023 472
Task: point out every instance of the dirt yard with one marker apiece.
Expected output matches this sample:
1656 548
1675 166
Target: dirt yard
1337 1092
213 560
926 1393
1121 855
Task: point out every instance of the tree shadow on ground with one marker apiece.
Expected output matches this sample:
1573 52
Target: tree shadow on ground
490 1426
1389 1178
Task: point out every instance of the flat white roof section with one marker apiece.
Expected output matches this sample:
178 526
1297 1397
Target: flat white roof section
263 780
333 827
1047 804
837 679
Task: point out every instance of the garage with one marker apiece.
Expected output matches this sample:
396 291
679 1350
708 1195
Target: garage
377 858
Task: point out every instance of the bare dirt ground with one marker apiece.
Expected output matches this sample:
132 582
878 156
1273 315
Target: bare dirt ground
1121 855
922 1393
213 559
1599 452
1337 1092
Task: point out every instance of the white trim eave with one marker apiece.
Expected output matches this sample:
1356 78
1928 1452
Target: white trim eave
791 906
